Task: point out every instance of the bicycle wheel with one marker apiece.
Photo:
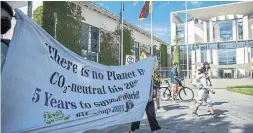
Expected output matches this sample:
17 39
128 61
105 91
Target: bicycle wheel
166 94
186 94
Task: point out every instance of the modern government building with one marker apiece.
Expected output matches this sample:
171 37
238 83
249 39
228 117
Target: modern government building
222 35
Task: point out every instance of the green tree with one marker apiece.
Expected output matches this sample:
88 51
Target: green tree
69 19
38 15
176 55
109 48
164 55
127 41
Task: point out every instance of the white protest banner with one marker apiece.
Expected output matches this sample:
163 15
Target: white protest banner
48 88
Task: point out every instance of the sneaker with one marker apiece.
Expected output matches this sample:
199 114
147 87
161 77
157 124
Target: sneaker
215 114
161 110
195 114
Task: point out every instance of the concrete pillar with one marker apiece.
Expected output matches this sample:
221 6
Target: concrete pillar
246 55
191 32
198 56
217 32
240 59
245 25
173 28
209 58
211 31
234 28
215 62
193 61
205 31
251 32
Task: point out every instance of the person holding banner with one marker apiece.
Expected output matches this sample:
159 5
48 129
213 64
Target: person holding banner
150 111
6 16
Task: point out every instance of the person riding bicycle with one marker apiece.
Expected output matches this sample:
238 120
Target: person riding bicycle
174 79
203 91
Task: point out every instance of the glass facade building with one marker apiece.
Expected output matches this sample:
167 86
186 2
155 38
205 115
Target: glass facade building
227 53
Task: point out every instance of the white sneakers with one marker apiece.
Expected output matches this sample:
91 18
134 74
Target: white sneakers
161 110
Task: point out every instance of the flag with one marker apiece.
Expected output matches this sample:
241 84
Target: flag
121 12
146 9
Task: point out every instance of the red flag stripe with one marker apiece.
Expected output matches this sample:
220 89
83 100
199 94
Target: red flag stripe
145 10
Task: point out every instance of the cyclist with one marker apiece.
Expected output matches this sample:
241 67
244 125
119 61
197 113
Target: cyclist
174 81
203 91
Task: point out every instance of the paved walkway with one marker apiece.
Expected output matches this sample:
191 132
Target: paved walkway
236 117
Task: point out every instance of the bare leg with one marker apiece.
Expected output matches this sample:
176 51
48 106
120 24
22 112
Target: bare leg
196 109
211 109
173 92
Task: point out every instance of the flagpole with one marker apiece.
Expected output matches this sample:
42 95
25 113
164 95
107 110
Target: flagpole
187 46
122 28
151 30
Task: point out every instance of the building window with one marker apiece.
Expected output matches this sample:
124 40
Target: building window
212 46
89 40
180 33
239 29
203 49
226 30
137 51
227 53
183 60
208 32
251 52
94 39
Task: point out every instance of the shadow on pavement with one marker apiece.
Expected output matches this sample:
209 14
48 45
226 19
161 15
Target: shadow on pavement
178 124
248 128
219 103
173 107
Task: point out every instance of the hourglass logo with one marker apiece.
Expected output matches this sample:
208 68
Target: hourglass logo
129 105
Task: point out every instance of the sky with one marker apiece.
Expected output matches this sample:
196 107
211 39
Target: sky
161 13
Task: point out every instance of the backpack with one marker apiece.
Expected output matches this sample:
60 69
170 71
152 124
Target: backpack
195 82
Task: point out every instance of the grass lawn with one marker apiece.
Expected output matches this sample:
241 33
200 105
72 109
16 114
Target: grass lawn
247 89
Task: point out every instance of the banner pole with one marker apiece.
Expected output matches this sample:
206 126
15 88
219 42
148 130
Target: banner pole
151 30
187 45
122 28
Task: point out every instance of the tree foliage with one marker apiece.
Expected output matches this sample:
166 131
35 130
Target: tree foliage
109 48
176 55
164 55
38 15
69 18
127 41
109 51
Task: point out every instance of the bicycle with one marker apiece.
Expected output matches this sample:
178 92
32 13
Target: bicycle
183 92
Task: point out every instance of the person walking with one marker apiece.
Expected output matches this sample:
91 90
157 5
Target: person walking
174 81
203 70
203 93
150 111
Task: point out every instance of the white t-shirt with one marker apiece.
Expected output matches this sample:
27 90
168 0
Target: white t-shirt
4 50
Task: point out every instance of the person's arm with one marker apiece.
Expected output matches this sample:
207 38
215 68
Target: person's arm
175 73
205 85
